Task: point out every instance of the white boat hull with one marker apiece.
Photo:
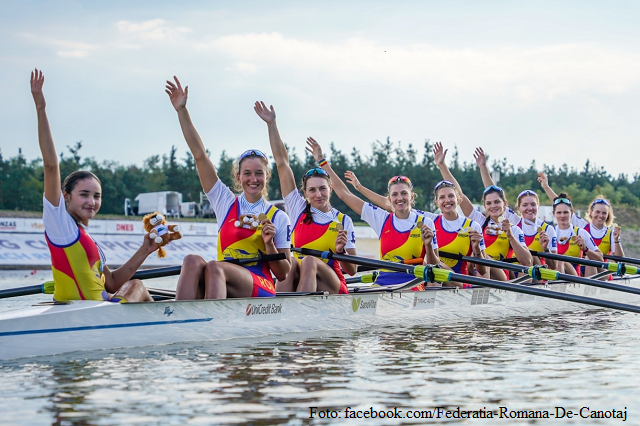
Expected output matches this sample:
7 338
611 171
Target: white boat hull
49 329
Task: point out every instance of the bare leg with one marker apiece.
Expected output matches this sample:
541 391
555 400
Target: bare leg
226 280
191 277
291 282
315 275
134 291
497 274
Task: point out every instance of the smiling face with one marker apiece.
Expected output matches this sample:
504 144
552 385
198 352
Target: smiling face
562 212
528 207
252 177
401 197
494 205
599 214
446 200
317 191
84 200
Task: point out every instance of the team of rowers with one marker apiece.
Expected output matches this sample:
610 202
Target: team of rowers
249 226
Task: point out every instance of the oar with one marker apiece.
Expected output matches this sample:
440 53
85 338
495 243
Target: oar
432 274
167 271
365 279
631 260
539 273
616 268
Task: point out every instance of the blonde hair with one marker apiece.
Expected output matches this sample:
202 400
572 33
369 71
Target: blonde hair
235 172
601 200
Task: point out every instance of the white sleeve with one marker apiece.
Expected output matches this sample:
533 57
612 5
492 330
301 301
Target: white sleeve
476 227
578 221
553 239
477 216
591 245
517 232
432 226
512 216
374 216
430 215
60 227
221 199
296 204
282 239
351 233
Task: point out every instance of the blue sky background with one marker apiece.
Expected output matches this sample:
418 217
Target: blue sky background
557 82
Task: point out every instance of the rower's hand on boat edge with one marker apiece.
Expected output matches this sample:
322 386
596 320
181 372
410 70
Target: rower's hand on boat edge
426 234
37 81
177 95
268 231
341 241
267 114
314 148
439 153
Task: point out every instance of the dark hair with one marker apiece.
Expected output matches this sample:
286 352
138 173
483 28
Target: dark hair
562 198
72 180
493 190
308 218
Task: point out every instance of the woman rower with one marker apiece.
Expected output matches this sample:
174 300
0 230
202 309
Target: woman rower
404 235
598 221
79 266
316 226
248 225
538 235
572 240
502 239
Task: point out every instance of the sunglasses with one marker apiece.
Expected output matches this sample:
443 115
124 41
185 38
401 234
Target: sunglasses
600 201
493 188
443 183
399 179
527 192
562 201
315 171
252 153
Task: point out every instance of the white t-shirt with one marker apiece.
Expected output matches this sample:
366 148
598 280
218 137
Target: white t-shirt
456 225
480 218
530 229
296 205
582 223
222 198
376 217
62 230
566 234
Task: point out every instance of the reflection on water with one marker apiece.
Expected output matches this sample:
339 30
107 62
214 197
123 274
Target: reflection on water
533 363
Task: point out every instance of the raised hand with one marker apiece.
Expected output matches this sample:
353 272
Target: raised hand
352 179
506 228
426 234
267 114
617 231
481 159
37 81
439 153
475 237
544 240
580 242
314 148
341 241
177 95
268 231
543 179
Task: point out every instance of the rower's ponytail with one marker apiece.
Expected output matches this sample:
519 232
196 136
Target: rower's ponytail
308 217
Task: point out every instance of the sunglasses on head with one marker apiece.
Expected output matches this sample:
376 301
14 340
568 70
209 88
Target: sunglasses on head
315 171
527 192
252 153
562 200
443 183
600 201
399 179
493 188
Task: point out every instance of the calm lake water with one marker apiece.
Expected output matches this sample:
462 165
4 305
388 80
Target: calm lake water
558 363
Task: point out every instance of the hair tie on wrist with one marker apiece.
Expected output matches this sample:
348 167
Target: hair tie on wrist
322 162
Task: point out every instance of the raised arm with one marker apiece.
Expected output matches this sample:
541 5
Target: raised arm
52 184
339 187
374 197
481 161
439 156
206 169
544 182
287 180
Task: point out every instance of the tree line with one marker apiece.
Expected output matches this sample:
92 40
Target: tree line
21 183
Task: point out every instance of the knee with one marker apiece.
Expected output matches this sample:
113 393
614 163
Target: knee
192 261
309 262
212 267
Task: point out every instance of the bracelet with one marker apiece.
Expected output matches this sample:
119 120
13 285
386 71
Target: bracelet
617 242
322 162
343 252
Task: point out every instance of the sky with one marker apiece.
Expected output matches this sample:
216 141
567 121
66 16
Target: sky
554 82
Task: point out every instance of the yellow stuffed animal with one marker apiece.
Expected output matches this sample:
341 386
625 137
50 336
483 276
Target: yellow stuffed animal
159 231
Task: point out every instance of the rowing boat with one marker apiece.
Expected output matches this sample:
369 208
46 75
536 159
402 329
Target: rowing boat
55 328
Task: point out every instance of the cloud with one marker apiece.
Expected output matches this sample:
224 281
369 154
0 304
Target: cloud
64 48
153 30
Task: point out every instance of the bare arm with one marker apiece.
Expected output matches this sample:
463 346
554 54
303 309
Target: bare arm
375 198
341 242
481 161
113 280
439 155
617 246
287 180
339 187
206 169
52 185
544 182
